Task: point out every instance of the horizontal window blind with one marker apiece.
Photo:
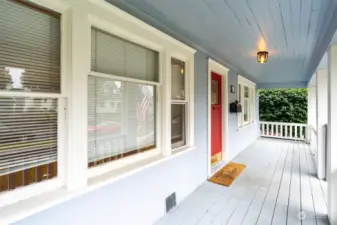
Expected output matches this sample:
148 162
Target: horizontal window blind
29 48
116 56
121 119
29 62
28 141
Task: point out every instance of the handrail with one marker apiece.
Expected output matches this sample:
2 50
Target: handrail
290 131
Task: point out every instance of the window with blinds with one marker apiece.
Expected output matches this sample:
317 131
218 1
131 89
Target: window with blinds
121 113
116 56
29 62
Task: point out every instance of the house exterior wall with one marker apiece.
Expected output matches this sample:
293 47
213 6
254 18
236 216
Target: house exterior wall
143 194
140 198
239 139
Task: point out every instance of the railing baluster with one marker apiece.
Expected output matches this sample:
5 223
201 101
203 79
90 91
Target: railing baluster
292 131
301 132
287 133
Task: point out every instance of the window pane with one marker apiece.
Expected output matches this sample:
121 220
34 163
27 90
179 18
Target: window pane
177 79
215 92
246 109
30 49
121 119
178 125
246 90
28 141
116 56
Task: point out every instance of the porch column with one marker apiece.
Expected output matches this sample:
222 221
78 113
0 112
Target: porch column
322 119
332 134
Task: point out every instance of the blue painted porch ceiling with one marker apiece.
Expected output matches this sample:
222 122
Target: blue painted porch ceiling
232 31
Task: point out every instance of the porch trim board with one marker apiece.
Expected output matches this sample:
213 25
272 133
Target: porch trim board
217 68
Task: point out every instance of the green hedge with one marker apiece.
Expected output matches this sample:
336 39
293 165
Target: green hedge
283 105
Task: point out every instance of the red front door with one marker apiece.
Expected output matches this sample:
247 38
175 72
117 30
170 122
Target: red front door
216 118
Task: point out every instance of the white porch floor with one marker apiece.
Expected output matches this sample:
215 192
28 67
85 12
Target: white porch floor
278 184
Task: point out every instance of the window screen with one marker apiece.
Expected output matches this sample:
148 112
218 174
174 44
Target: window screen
113 55
29 62
29 48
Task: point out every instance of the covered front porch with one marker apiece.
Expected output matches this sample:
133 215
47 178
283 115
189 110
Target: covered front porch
278 186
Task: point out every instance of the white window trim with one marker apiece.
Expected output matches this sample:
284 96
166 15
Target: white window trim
26 192
244 82
216 67
77 17
163 86
187 102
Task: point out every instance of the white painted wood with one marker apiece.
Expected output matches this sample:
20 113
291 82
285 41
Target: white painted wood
295 191
278 172
307 203
280 130
253 213
281 207
266 213
320 205
332 134
322 119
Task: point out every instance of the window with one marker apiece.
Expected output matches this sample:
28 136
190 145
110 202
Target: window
247 100
178 104
29 62
121 99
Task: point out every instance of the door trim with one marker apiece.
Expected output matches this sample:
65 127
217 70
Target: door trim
221 70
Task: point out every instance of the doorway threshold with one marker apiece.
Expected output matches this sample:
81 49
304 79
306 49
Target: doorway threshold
216 167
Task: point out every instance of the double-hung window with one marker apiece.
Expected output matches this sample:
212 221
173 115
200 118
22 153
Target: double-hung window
178 104
122 98
247 101
30 90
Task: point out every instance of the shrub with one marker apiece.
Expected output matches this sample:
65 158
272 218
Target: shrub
283 105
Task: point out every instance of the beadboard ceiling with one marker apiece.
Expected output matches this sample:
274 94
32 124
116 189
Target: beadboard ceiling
295 32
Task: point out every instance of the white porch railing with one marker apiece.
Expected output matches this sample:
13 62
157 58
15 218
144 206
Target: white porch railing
290 131
312 139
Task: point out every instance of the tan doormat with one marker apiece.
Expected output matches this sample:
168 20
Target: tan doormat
227 174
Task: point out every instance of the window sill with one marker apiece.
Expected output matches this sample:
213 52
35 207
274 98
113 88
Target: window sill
17 211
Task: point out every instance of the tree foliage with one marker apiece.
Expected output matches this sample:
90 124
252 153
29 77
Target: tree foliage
283 105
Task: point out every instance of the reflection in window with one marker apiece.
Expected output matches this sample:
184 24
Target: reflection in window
177 125
16 75
177 79
121 119
28 141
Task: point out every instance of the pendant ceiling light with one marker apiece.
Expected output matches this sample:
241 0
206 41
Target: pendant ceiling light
262 56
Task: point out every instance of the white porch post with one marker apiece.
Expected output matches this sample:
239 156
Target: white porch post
78 119
332 134
322 119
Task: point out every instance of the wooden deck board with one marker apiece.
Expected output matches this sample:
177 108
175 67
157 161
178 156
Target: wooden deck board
278 184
